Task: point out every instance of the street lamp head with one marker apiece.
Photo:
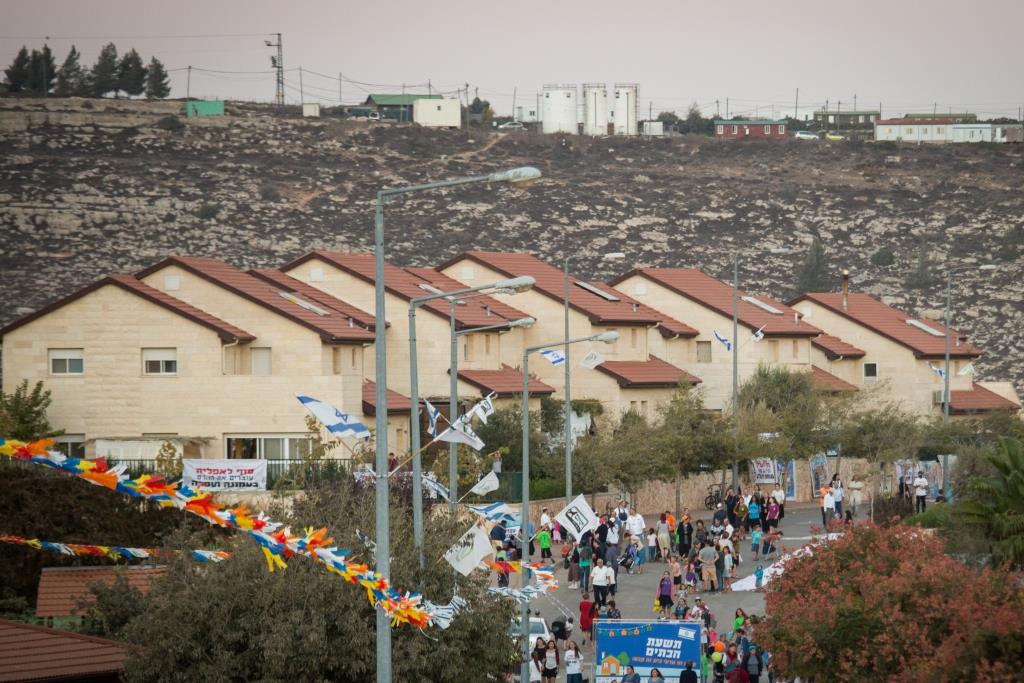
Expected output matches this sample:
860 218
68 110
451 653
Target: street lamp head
430 288
519 177
516 284
609 337
522 322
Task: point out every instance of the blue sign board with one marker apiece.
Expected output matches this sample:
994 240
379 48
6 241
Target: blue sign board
646 645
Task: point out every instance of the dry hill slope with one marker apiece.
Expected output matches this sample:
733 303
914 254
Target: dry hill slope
84 193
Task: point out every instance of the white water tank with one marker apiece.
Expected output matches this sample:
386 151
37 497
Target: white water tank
595 109
626 108
558 109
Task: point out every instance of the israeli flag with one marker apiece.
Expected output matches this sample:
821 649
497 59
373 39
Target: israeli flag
338 423
554 356
436 488
966 370
725 340
937 370
432 415
759 334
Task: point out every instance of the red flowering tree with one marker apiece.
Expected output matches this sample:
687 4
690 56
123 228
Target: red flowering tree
888 605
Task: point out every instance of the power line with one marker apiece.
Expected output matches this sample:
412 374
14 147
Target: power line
150 37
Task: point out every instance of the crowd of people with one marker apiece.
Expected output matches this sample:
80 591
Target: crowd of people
696 557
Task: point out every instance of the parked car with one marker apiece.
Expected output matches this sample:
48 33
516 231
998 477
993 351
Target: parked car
512 125
834 137
538 629
805 135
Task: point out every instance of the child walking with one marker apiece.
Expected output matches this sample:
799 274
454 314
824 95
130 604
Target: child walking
730 571
691 578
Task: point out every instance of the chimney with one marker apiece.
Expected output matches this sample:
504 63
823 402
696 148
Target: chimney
846 289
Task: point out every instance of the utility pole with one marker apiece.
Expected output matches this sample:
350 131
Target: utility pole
718 111
278 64
514 91
855 101
46 80
340 81
650 110
935 109
726 107
796 106
302 90
188 87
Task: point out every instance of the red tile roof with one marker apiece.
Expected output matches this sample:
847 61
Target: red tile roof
62 588
505 382
826 381
34 653
891 323
646 373
397 403
716 295
447 284
551 282
406 285
834 347
317 296
224 330
333 327
978 399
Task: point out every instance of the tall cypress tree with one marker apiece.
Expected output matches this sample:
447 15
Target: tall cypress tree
131 73
42 71
157 84
16 75
103 78
70 77
813 273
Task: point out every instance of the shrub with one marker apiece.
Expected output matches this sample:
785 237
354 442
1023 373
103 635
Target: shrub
171 123
883 257
269 193
208 211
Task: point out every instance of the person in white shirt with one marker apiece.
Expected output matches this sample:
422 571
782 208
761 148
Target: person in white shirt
828 508
920 491
573 663
635 523
545 518
837 493
601 577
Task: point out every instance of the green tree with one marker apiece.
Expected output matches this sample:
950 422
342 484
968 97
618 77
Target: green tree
695 123
42 71
16 75
922 276
797 406
883 257
237 621
812 276
482 108
111 606
995 504
103 77
670 119
70 76
157 84
131 73
23 413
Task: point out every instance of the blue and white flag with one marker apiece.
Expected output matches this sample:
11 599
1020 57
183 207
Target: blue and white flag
759 334
432 415
338 423
725 340
966 370
483 409
554 356
461 432
937 370
431 483
496 512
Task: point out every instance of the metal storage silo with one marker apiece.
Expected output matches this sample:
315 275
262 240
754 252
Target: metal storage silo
626 108
595 109
559 109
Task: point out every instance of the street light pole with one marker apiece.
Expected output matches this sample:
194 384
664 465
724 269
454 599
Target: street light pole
735 370
515 176
524 514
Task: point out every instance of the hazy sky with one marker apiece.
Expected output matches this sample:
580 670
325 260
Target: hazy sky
905 54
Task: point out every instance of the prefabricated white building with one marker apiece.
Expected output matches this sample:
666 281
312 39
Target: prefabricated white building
437 113
558 107
626 108
595 109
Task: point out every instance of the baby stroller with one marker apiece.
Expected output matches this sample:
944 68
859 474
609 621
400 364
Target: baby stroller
626 561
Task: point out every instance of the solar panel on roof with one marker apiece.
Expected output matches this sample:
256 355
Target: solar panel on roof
595 290
762 305
304 304
925 328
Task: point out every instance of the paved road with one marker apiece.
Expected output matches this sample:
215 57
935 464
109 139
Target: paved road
635 594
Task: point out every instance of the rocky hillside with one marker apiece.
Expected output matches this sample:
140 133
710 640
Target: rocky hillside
91 188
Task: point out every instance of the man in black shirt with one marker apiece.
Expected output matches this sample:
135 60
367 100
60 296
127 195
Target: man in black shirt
688 675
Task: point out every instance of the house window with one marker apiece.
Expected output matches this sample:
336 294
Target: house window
353 357
643 408
633 336
316 274
782 129
632 406
938 130
261 361
467 348
720 129
870 372
910 131
768 130
467 273
67 362
703 352
735 129
71 445
266 447
172 283
796 348
487 344
159 361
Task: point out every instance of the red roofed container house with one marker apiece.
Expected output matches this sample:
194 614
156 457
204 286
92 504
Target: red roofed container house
632 376
742 129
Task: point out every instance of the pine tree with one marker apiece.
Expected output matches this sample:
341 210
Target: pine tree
42 71
103 78
813 273
157 85
70 77
921 277
17 73
131 73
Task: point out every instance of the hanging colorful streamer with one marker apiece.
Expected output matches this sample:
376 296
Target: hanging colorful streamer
114 552
276 543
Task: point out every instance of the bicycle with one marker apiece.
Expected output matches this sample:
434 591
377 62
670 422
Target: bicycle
714 496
